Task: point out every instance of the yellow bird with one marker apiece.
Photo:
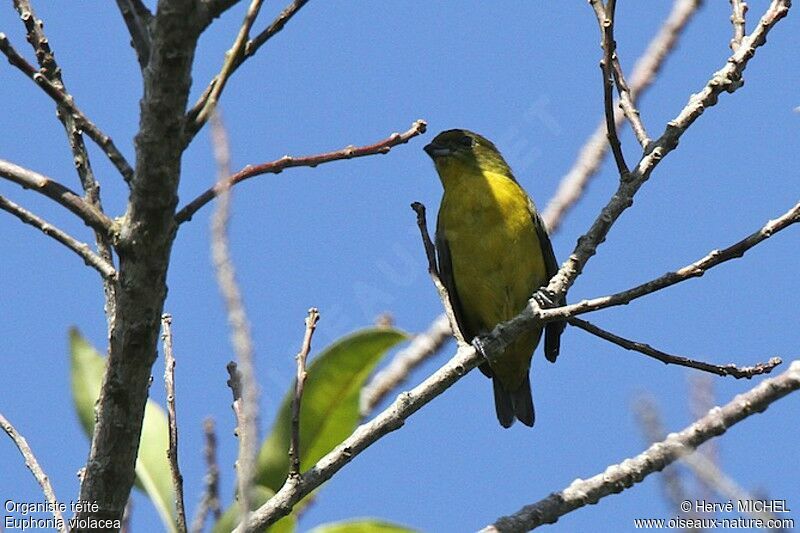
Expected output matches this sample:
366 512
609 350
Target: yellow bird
493 254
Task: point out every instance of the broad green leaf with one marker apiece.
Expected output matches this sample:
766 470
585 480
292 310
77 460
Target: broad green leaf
330 408
362 525
152 467
260 495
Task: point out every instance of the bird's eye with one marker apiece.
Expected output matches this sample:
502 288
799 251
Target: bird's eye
466 141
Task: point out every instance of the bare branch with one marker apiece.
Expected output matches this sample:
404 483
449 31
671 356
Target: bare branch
74 119
36 470
605 17
627 105
237 319
105 268
720 370
277 166
738 20
626 474
299 384
593 151
146 233
727 79
242 49
692 270
422 347
210 499
172 452
231 56
433 270
137 18
29 179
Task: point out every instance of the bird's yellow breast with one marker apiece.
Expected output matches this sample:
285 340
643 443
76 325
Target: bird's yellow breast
497 263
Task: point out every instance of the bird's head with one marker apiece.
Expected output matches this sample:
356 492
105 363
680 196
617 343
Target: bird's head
464 148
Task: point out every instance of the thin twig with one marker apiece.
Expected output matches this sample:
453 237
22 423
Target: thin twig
626 104
36 470
626 474
433 270
237 55
739 8
692 270
83 250
209 503
28 179
277 166
137 18
299 384
591 155
172 451
237 319
605 17
231 56
720 370
422 347
71 111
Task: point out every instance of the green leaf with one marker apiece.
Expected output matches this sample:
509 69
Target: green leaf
330 408
258 497
362 525
153 473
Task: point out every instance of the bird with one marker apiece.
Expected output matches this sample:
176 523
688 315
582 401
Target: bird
493 254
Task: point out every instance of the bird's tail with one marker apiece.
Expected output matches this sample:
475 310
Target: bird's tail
513 404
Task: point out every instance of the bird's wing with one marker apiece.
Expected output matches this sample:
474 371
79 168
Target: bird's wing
446 275
553 330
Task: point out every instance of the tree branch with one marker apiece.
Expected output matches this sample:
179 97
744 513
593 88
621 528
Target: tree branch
299 385
605 17
237 55
105 268
277 166
172 452
433 270
422 347
533 314
592 153
145 241
231 56
739 8
71 114
727 79
36 470
28 179
720 370
137 18
692 270
617 478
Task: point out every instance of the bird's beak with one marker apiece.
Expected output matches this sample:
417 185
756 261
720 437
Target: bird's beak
435 150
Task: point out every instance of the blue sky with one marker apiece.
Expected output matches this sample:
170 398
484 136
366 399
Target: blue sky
341 237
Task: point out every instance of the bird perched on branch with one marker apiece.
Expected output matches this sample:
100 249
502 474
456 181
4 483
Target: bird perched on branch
493 255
